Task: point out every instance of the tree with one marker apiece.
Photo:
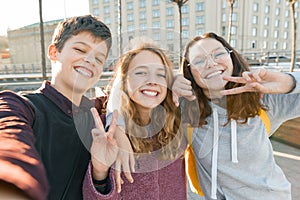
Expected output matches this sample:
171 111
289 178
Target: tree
230 4
42 41
120 26
180 3
293 27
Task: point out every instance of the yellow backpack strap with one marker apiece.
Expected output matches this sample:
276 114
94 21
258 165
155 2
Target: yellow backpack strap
265 119
190 165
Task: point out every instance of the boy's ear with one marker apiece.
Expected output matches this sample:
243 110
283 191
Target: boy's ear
52 52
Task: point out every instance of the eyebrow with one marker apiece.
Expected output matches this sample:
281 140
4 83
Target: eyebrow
146 67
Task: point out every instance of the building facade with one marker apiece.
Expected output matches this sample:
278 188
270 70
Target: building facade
258 26
25 45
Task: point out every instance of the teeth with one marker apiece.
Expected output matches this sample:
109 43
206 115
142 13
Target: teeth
214 74
84 72
150 93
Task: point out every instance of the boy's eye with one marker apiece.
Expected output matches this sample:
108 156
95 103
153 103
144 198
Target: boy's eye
99 60
80 50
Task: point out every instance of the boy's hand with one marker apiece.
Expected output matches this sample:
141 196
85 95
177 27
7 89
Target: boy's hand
182 88
104 149
125 159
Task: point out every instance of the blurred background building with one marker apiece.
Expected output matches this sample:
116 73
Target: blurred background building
259 28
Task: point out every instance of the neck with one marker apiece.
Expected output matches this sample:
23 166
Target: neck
73 96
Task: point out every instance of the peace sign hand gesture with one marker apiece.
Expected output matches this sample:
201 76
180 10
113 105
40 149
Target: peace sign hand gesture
262 80
104 149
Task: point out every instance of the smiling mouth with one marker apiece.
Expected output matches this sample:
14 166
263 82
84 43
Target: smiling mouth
84 72
213 74
150 93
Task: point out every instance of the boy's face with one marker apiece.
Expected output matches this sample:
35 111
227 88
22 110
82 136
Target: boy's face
79 64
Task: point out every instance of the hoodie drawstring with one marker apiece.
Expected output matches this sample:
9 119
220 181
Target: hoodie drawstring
215 155
233 142
234 159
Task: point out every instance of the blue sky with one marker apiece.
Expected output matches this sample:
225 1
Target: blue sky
18 13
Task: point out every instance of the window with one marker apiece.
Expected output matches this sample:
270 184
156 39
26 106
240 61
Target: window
278 1
267 9
266 33
107 20
155 13
155 2
276 23
130 17
254 31
170 35
223 30
275 45
200 6
96 11
265 44
156 24
143 26
105 1
95 2
234 17
143 15
130 28
286 24
130 5
224 4
254 19
287 13
276 34
156 36
255 7
142 3
233 30
200 31
185 9
284 45
266 21
200 19
170 23
106 9
224 18
185 21
277 11
170 11
285 35
185 34
233 43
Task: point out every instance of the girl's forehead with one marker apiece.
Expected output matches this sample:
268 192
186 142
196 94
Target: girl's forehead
204 46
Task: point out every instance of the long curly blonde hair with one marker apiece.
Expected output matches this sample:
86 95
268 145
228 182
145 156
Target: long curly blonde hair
166 116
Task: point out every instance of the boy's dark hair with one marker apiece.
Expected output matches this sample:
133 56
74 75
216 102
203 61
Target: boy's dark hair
75 25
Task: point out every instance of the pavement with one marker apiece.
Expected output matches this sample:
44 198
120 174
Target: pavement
288 158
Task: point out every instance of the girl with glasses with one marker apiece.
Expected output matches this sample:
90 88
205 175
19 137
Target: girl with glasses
233 152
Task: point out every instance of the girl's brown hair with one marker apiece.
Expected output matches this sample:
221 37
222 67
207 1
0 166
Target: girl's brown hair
239 106
168 139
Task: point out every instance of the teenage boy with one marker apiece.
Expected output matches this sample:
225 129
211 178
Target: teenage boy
45 135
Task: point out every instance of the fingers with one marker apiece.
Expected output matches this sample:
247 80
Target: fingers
119 181
175 99
113 126
97 119
132 162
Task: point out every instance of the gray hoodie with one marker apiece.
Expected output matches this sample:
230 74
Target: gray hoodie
236 161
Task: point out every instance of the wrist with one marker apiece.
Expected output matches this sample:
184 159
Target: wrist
99 171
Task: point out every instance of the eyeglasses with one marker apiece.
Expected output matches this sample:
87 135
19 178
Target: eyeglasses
216 55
